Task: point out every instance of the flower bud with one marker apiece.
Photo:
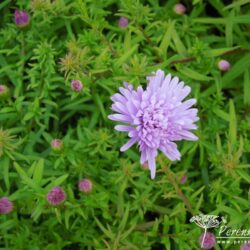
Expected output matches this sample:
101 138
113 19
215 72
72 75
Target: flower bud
245 246
85 186
57 145
123 22
76 85
6 206
207 240
145 166
56 196
224 65
22 18
4 92
179 9
183 179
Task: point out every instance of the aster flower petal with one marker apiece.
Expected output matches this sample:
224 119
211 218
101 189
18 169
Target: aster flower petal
120 118
129 144
171 151
155 117
151 163
123 128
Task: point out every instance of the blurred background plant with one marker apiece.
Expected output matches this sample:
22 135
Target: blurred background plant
67 40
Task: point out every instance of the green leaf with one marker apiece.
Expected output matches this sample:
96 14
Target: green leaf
58 181
194 74
100 105
237 69
38 174
167 38
126 55
232 123
107 232
246 87
25 178
236 4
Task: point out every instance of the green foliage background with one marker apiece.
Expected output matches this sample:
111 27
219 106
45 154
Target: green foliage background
81 39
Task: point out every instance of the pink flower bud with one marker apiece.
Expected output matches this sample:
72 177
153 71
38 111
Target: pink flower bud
57 145
183 179
56 196
76 85
245 246
6 206
22 18
224 65
123 22
85 186
4 91
179 9
145 166
207 240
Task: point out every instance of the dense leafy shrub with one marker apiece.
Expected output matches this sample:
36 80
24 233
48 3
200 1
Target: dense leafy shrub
81 40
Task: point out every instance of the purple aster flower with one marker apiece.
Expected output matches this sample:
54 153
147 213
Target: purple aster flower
123 22
56 196
76 85
85 185
6 206
207 240
21 18
245 246
57 145
179 9
224 65
156 117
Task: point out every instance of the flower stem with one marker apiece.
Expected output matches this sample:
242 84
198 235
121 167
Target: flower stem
204 236
172 180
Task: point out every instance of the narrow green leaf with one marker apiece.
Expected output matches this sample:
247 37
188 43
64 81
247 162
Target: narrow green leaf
236 4
246 87
126 55
167 38
229 30
107 232
194 74
38 174
180 48
124 219
58 181
210 20
25 178
222 114
232 123
100 105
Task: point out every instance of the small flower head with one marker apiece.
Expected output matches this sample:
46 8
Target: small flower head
179 9
223 65
155 117
123 22
22 18
4 92
85 186
76 85
245 246
6 206
6 142
183 179
207 240
56 196
57 145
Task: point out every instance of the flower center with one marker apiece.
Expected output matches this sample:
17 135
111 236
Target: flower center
153 125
